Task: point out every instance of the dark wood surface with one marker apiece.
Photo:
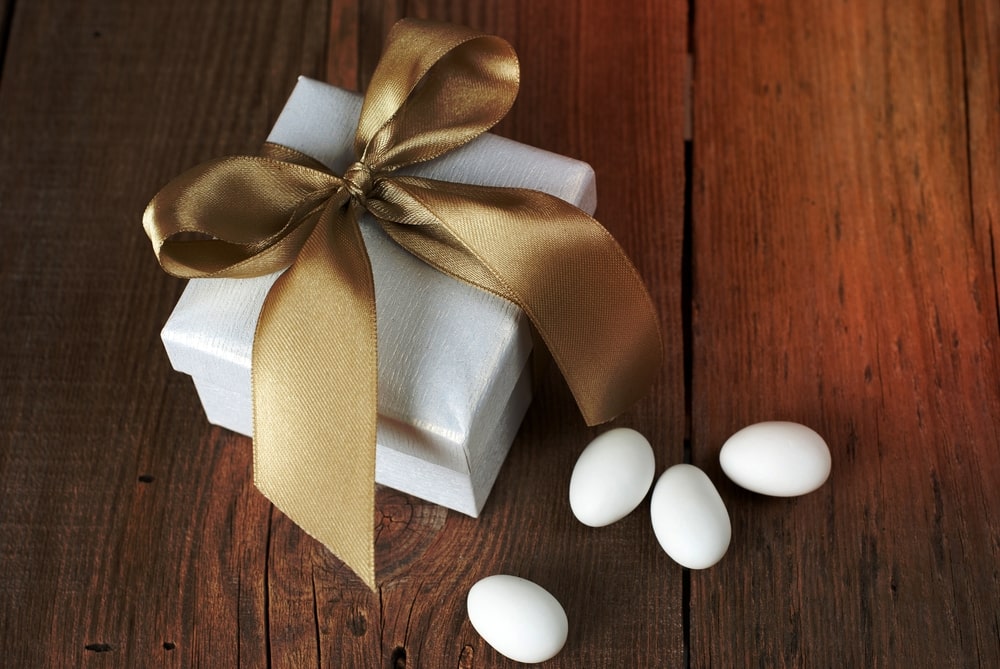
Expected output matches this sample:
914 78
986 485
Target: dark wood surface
822 250
844 277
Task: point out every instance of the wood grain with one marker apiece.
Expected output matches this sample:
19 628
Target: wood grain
526 527
843 278
130 532
981 67
343 44
840 271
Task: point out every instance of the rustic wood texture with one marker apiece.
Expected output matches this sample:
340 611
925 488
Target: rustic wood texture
844 212
130 531
130 534
526 529
840 271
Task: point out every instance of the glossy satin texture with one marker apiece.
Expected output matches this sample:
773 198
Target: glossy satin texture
314 361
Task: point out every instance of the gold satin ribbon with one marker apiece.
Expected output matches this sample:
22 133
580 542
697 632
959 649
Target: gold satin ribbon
314 365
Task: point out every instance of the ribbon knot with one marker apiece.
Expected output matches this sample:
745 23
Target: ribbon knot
358 182
315 360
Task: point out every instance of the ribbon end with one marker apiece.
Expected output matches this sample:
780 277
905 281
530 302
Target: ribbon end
368 578
357 553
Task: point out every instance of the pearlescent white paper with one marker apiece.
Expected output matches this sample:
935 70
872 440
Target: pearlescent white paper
453 380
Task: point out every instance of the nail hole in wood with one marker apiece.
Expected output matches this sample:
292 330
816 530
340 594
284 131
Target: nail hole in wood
99 647
145 478
168 645
357 623
398 658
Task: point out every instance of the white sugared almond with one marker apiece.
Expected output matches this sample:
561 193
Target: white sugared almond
776 458
611 477
689 517
519 618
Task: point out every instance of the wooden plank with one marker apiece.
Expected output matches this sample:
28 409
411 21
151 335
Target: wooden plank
840 280
981 33
343 48
130 532
428 561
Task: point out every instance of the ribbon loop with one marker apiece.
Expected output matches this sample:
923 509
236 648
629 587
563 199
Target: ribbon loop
198 222
315 356
441 86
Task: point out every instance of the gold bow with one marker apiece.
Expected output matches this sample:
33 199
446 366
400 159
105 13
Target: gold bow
314 355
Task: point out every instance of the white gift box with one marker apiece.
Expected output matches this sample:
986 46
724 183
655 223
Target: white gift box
453 377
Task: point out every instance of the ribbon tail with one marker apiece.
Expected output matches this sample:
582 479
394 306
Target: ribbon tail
571 278
314 392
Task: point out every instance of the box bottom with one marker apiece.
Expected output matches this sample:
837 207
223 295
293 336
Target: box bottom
456 476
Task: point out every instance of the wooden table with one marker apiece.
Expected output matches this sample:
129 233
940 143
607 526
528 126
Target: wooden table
820 245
